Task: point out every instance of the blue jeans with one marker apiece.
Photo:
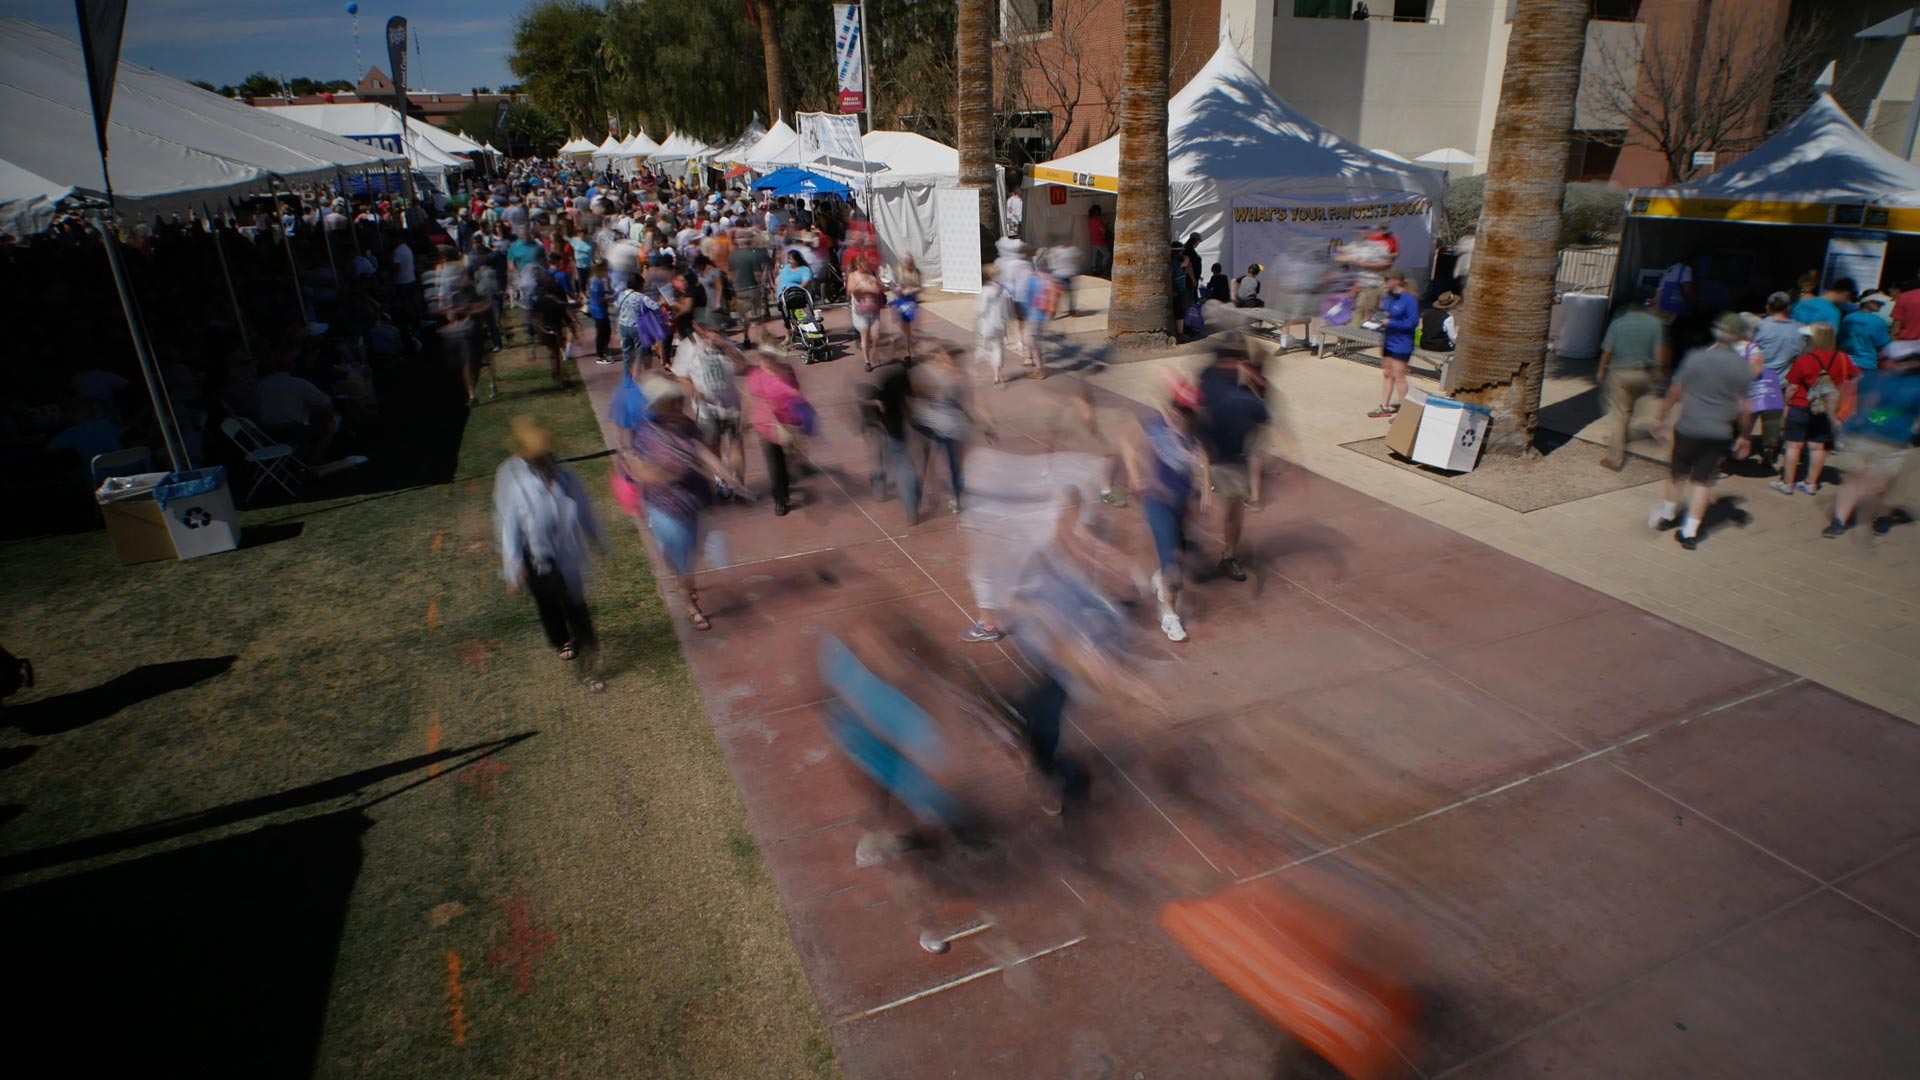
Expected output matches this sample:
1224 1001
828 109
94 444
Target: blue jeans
678 538
1168 524
906 478
952 448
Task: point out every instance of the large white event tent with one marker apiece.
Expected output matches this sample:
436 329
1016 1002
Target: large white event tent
896 185
779 147
381 126
174 146
1229 138
1816 177
639 145
577 147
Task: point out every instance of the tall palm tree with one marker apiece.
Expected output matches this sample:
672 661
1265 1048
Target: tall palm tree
973 111
1502 356
1141 284
776 63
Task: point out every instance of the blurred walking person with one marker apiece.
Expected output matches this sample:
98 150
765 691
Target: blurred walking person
1164 464
1877 445
673 467
782 418
544 522
990 313
1711 390
1233 409
942 414
1633 356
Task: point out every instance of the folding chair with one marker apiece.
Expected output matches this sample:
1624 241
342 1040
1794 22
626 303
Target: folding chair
270 459
127 462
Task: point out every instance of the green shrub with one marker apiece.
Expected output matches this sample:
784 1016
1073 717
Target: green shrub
1590 213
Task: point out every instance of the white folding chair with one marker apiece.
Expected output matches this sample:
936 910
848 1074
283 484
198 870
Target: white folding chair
127 462
271 460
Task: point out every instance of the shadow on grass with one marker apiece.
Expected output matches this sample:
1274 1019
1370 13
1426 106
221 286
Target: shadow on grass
338 787
235 941
254 536
65 712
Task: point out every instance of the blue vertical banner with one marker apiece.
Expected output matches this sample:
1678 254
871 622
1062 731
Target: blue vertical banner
849 58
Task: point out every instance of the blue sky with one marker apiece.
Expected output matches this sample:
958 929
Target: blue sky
463 43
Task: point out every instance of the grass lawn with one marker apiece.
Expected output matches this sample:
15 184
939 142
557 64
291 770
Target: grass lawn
327 805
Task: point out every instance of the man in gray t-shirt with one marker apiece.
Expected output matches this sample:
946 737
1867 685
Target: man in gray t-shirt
1711 389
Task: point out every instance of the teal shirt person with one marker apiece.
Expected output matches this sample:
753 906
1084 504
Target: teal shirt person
1862 335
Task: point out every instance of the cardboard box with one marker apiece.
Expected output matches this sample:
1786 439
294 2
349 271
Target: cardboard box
142 530
1451 434
1406 423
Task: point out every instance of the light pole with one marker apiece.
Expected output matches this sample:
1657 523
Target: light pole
1906 24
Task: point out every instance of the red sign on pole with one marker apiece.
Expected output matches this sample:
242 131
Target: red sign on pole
852 101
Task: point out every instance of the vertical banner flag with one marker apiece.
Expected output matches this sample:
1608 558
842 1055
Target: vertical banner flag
397 60
849 58
101 22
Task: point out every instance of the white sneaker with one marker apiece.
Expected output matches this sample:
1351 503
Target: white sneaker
1171 626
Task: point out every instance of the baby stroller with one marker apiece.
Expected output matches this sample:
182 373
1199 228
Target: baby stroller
806 331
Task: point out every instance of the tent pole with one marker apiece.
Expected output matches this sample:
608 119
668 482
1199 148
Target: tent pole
142 348
239 319
286 241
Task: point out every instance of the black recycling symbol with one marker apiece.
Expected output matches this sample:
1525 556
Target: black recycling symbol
197 518
1468 436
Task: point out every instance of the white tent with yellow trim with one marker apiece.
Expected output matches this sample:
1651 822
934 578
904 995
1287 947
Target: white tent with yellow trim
1817 177
1229 137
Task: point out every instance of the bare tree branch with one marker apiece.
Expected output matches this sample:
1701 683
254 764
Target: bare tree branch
1704 87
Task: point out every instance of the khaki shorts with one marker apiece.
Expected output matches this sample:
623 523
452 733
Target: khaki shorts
1232 482
1877 456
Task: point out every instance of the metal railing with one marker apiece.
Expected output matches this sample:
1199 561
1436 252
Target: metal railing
1586 269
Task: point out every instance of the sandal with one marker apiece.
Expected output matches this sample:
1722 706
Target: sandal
699 619
567 651
594 685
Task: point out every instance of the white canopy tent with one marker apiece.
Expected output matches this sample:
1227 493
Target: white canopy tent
577 147
175 146
678 147
779 147
728 153
1230 139
895 185
608 150
1816 176
639 145
381 126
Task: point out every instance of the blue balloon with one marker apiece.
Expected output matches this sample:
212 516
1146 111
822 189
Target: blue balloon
353 9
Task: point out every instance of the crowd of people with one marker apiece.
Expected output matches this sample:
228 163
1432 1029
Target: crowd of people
1826 375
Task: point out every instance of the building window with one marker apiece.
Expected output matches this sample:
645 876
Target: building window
1616 10
1023 18
1412 10
1323 9
1593 156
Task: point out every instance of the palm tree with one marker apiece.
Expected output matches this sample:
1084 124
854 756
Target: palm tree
1502 356
973 111
1141 282
776 64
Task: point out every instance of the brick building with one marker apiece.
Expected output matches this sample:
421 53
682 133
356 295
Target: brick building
377 86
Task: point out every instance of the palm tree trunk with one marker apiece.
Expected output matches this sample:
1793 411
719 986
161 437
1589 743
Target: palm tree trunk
1141 283
776 63
1502 356
973 60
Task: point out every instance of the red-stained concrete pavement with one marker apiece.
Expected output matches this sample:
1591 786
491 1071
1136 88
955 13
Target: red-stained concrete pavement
1628 850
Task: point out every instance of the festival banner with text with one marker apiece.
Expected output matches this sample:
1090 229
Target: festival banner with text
1289 235
849 57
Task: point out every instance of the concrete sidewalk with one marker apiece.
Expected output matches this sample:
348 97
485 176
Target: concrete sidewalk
1630 850
1845 613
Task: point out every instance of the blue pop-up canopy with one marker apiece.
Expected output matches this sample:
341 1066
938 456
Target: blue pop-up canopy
792 181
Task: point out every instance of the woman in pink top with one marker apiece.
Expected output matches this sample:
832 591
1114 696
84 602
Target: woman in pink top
781 415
